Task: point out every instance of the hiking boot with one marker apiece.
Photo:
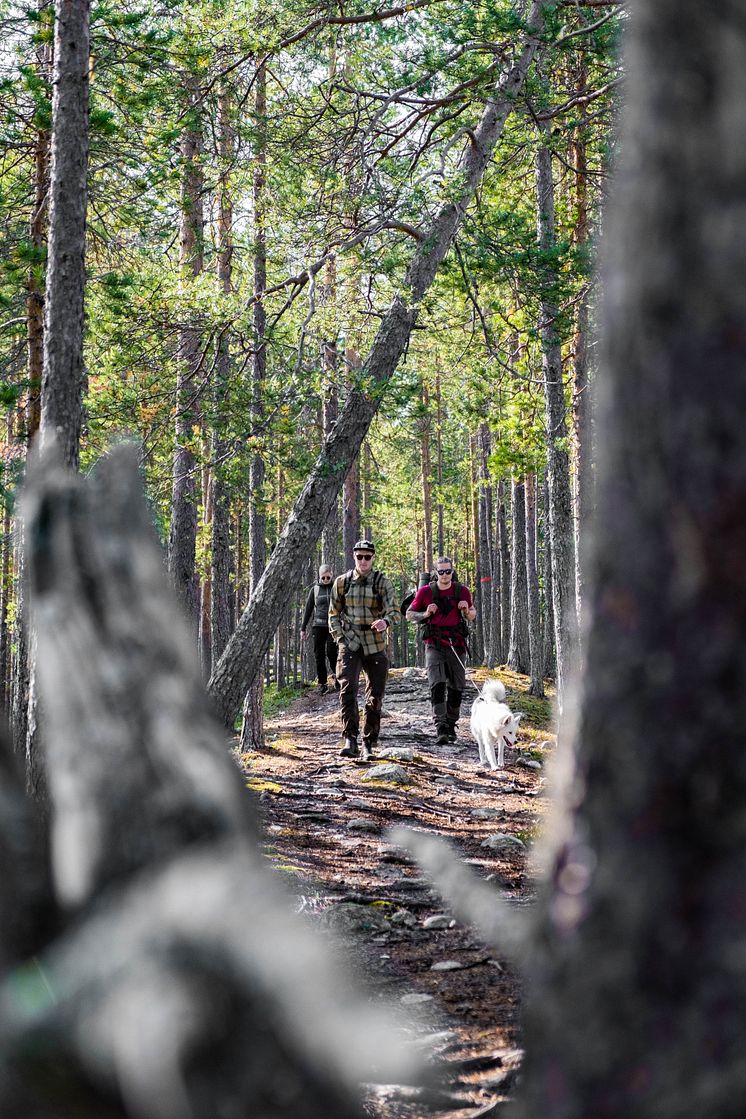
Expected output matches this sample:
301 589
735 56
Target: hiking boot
322 689
368 751
451 734
442 739
350 749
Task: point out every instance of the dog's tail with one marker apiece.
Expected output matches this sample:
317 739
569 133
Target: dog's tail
494 690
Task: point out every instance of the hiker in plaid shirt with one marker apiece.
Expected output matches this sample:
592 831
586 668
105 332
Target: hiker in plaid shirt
361 610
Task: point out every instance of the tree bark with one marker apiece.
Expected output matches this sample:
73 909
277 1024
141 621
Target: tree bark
535 646
182 541
505 575
561 527
220 555
252 723
518 650
62 378
426 478
581 405
38 237
638 1004
244 653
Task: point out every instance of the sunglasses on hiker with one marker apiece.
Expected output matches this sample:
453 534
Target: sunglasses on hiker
363 556
325 577
445 571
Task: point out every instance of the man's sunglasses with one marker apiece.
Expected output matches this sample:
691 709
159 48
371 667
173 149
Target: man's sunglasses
363 556
445 571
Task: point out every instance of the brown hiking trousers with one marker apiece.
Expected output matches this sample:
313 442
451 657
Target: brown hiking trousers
350 663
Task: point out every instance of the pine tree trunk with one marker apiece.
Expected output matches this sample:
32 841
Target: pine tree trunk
485 565
220 554
246 649
62 378
331 536
581 407
518 649
426 478
548 596
439 446
561 527
182 541
252 727
505 576
476 642
535 646
38 238
638 1003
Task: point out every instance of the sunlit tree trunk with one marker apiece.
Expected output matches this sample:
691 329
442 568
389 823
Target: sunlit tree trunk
252 728
426 477
581 409
182 541
561 526
518 649
536 650
220 554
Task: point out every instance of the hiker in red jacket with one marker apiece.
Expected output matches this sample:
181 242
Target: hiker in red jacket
444 607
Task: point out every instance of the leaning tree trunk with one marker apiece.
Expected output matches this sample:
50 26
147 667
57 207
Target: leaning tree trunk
561 527
245 652
638 1004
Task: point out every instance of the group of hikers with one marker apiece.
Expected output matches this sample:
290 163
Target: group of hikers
349 617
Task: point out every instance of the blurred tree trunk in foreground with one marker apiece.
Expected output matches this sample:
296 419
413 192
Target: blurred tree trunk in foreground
638 1003
161 971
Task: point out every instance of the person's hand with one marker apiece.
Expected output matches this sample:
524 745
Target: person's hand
463 606
432 608
379 624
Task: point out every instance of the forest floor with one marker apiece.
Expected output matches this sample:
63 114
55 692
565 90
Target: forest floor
325 823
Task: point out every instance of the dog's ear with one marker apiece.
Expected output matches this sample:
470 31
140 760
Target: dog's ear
519 715
507 719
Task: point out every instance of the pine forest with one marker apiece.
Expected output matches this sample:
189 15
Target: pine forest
454 290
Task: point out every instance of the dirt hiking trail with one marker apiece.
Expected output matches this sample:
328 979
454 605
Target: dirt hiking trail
325 819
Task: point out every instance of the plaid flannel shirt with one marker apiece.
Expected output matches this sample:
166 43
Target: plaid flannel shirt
351 614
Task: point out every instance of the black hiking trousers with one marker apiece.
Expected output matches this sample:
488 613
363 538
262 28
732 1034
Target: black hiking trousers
324 649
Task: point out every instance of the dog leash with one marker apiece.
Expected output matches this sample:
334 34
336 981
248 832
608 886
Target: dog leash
466 671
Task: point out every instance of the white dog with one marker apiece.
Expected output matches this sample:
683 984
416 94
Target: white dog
493 724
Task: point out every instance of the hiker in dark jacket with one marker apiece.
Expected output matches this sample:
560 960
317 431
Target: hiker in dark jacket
363 608
441 606
317 608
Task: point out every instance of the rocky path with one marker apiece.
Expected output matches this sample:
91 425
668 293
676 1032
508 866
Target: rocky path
326 818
